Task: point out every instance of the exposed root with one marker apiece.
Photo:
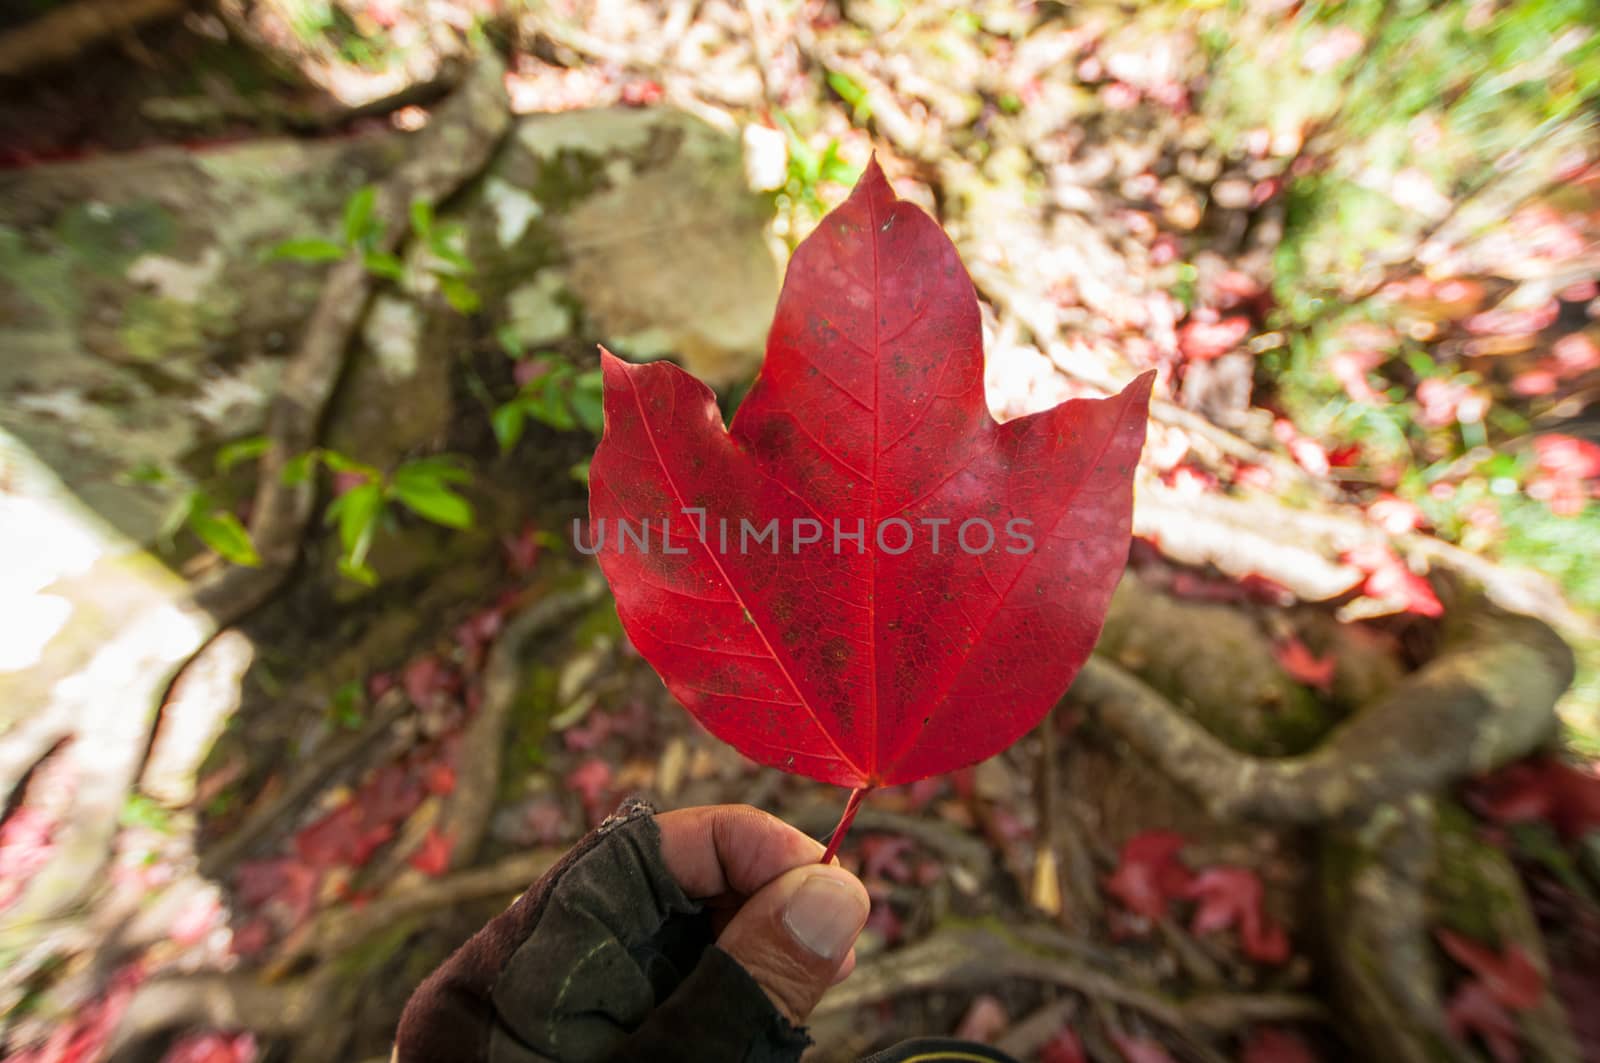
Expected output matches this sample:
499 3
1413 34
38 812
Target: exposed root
293 1007
278 813
1374 905
453 147
69 30
965 959
466 814
338 931
1487 700
1473 888
215 1001
955 845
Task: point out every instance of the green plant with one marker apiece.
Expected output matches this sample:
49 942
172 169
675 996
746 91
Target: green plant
348 710
809 168
425 486
362 233
448 261
559 396
143 811
213 523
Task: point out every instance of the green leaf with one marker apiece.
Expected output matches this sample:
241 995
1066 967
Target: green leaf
349 705
459 294
849 90
580 472
554 411
359 223
359 572
383 264
433 500
222 532
451 263
308 249
507 421
450 233
141 810
343 463
835 169
438 467
179 514
146 472
297 470
248 449
357 512
510 342
589 406
422 218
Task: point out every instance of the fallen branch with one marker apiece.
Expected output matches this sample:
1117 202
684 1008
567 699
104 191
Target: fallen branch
1487 700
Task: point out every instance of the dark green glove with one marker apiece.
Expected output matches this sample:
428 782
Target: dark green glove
604 958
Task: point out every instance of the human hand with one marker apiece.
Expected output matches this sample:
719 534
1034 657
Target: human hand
789 921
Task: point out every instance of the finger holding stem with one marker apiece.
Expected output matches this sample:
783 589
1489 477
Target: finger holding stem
850 809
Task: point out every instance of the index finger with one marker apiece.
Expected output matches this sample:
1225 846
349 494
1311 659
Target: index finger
730 848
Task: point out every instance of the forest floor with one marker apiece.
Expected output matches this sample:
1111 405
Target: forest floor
1368 285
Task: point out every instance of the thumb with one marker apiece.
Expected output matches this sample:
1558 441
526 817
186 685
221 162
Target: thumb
793 934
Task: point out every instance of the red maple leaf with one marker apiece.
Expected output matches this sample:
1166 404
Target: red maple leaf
591 781
1389 580
1064 1047
1268 1044
432 857
1507 974
936 579
522 549
1544 788
1303 666
1231 897
1474 1010
883 857
1149 874
1204 337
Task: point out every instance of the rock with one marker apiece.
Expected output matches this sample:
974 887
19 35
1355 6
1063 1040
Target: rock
141 327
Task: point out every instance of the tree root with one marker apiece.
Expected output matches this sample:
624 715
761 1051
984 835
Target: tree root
293 1007
338 931
215 1001
73 28
277 813
425 68
455 145
1374 906
1487 700
969 958
955 845
466 815
1379 898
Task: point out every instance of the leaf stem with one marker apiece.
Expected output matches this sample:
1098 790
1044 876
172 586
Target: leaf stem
850 809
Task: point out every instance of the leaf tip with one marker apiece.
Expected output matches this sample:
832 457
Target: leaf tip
874 183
